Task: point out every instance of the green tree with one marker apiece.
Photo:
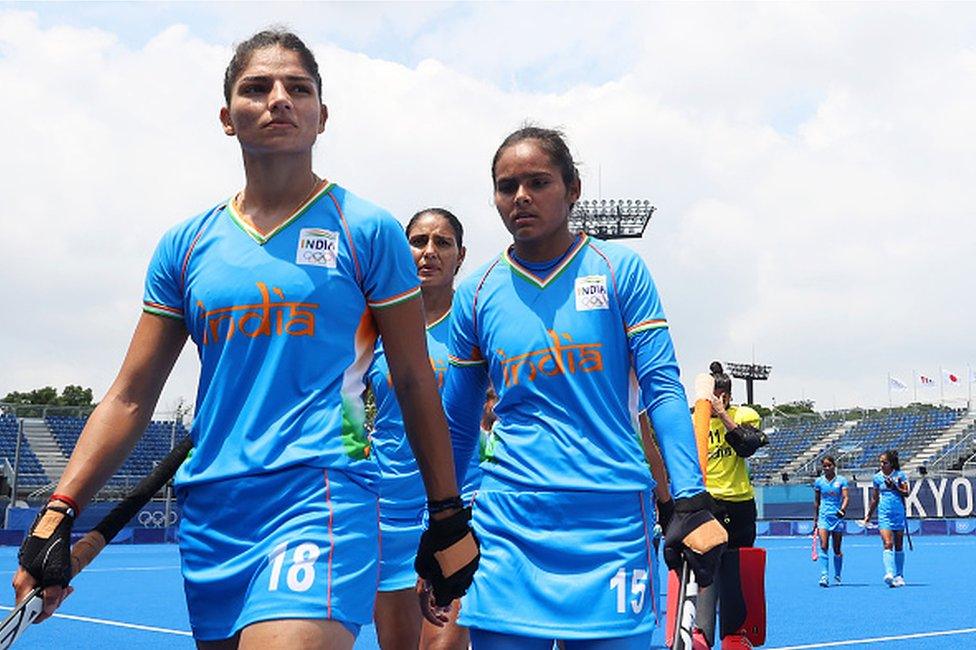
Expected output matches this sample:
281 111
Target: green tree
75 396
46 395
72 395
761 410
799 407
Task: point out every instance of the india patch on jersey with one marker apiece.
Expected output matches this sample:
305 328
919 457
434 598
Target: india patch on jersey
317 247
591 293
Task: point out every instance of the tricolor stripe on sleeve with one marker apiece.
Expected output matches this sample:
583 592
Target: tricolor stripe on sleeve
393 300
461 363
652 324
162 310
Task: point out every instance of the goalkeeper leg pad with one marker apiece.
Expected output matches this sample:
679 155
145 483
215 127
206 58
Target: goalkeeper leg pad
743 594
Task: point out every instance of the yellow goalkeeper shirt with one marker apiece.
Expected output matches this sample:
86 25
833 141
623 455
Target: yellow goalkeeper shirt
727 473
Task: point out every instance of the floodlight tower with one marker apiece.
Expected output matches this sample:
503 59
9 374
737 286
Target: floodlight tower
611 219
750 372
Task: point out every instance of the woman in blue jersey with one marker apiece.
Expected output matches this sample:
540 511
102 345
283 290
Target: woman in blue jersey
888 497
829 504
559 323
283 289
436 240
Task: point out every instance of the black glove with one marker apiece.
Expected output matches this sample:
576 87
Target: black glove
840 514
745 440
689 514
665 510
46 553
452 543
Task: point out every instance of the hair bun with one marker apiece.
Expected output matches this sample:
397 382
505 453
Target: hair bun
715 368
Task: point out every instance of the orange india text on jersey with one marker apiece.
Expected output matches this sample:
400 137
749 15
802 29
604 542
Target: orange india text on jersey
269 317
562 357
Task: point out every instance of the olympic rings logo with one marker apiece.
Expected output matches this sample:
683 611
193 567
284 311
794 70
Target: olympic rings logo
595 300
157 518
318 257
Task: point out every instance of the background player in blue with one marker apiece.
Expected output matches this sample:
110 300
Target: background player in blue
283 289
558 322
830 504
436 239
888 496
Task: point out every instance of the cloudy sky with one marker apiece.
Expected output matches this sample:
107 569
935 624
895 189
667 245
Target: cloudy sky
813 165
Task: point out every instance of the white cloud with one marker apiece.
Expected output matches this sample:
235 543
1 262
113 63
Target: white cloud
811 164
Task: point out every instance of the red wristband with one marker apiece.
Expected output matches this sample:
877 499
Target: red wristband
65 499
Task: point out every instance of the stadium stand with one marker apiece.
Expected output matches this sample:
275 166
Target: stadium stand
32 477
31 474
858 444
901 429
788 440
151 448
950 450
963 458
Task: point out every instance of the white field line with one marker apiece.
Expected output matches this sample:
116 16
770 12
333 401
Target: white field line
115 569
132 568
131 626
877 639
102 621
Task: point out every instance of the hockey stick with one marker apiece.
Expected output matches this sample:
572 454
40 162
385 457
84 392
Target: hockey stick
814 553
873 526
687 611
904 503
908 533
89 546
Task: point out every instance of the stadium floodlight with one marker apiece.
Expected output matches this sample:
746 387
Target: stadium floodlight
750 372
611 219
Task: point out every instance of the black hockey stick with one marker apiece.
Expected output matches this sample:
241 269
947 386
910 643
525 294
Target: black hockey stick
908 533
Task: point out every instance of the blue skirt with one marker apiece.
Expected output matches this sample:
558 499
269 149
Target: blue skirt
301 542
399 537
568 565
831 523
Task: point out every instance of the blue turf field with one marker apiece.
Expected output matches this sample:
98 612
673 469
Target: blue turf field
131 597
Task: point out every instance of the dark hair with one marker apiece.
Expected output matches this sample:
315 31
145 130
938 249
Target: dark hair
723 382
892 456
552 142
273 36
828 459
447 215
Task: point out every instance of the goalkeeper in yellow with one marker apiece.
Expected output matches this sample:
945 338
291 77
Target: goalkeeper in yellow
734 435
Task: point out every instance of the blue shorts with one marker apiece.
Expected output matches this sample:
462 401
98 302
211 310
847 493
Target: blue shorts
567 565
483 640
301 542
891 522
891 515
400 531
831 523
